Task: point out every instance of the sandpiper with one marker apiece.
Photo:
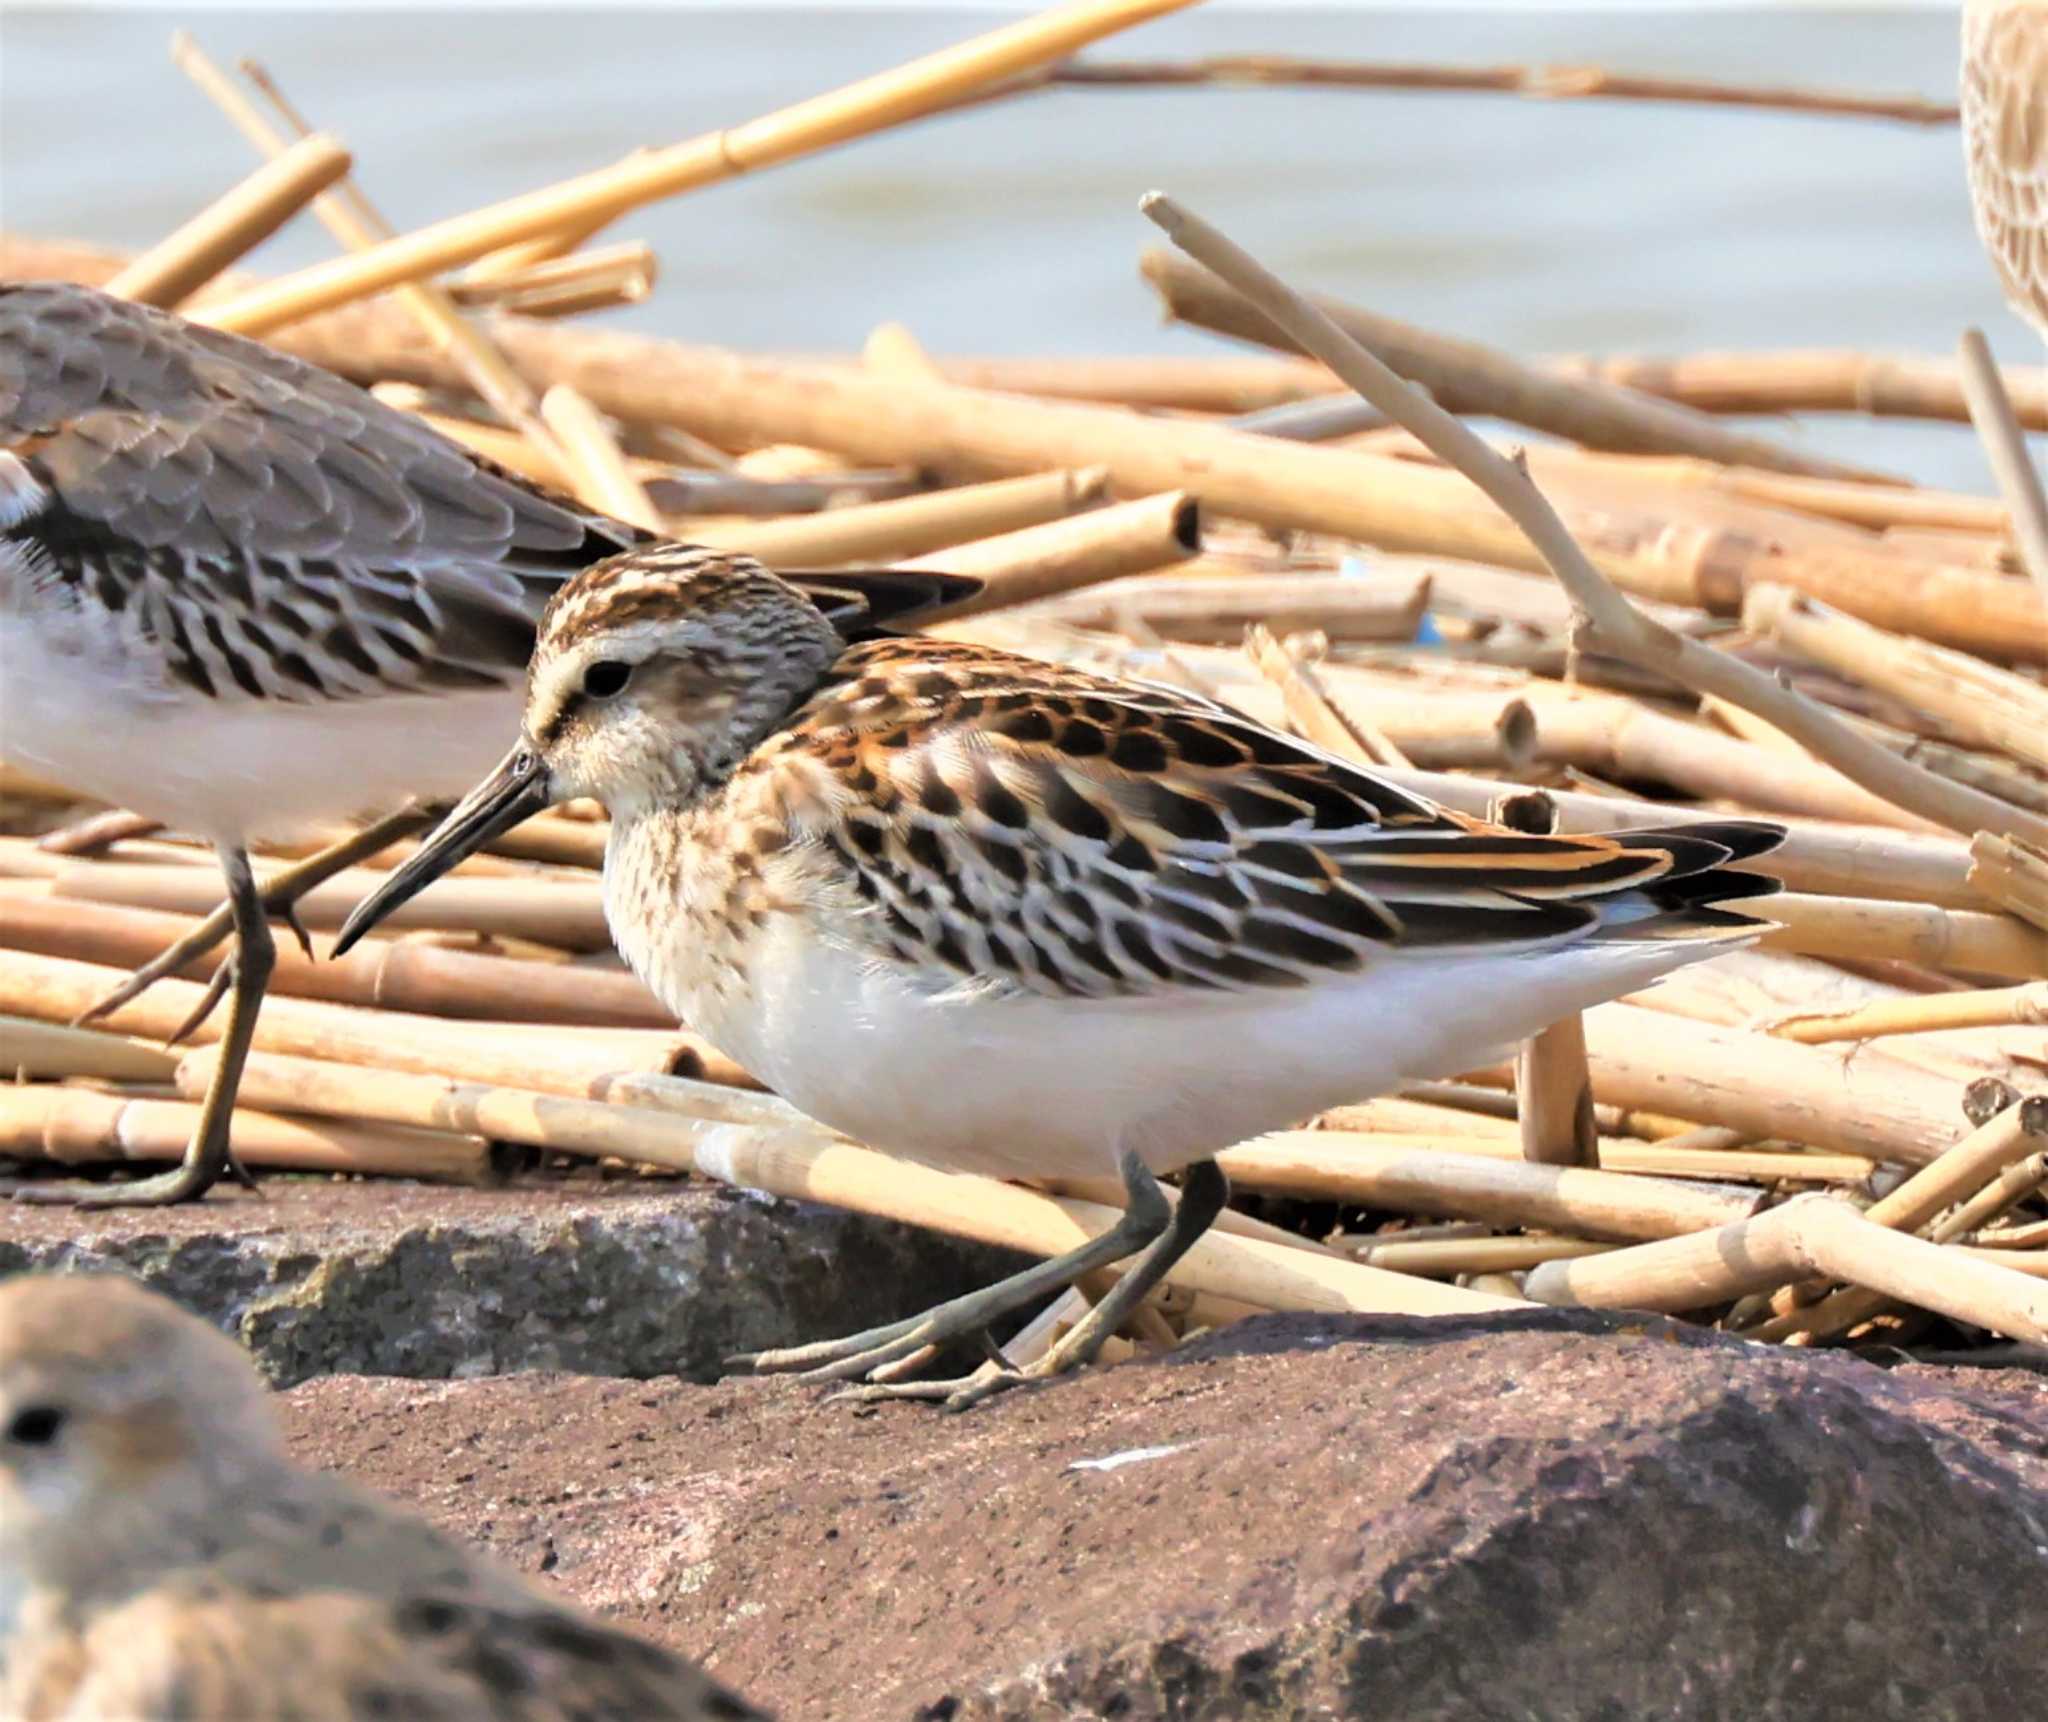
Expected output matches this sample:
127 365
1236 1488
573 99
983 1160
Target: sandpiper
160 1555
240 595
2005 141
1001 916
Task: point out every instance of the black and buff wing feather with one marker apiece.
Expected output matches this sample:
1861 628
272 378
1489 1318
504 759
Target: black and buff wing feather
1082 837
267 528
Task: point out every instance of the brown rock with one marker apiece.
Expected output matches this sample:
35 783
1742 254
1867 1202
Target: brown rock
381 1277
1546 1516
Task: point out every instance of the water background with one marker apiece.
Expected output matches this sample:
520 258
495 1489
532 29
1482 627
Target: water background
1542 227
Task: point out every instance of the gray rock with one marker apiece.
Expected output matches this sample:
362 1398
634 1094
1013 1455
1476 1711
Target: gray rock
388 1278
1557 1516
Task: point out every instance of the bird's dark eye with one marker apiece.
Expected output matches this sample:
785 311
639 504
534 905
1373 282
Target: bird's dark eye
606 677
36 1425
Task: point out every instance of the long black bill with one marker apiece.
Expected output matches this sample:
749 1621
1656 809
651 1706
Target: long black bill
517 790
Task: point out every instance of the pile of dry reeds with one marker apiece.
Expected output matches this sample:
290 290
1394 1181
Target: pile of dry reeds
1824 1137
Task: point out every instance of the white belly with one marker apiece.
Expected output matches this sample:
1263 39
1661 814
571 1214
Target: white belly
1026 1086
236 769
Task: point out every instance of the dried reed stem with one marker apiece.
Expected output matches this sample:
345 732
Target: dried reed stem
1618 625
1869 929
1928 1013
905 93
1421 1178
603 479
2005 446
1063 555
76 1125
178 265
40 1050
1468 377
2014 875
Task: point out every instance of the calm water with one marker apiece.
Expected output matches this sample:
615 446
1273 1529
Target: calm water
1577 225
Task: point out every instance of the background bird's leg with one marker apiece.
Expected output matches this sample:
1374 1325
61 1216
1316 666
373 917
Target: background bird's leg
1147 1215
207 1156
279 897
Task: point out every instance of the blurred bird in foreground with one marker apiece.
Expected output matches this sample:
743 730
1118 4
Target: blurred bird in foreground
161 1556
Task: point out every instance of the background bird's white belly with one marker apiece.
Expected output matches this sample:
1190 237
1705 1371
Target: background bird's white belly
229 769
1040 1087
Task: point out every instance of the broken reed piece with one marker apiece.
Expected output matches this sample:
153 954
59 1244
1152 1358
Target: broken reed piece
83 1126
603 479
391 974
1977 701
545 1058
2005 447
891 350
1468 377
906 92
1441 1258
2012 874
1064 555
796 1158
178 265
1865 929
1419 1176
1611 619
1214 608
909 525
600 280
354 222
1929 1013
1310 709
41 1050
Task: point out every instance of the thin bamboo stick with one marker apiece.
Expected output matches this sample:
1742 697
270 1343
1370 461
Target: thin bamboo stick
1327 1165
911 525
1444 1257
1547 83
804 1161
77 1126
1468 377
391 974
890 98
567 912
233 225
603 479
1218 608
1310 709
1929 1013
1609 615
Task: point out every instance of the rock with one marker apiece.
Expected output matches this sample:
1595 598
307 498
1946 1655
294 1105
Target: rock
389 1278
1558 1515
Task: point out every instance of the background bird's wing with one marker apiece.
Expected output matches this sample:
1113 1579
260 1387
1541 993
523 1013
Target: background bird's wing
275 530
1089 838
2005 133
